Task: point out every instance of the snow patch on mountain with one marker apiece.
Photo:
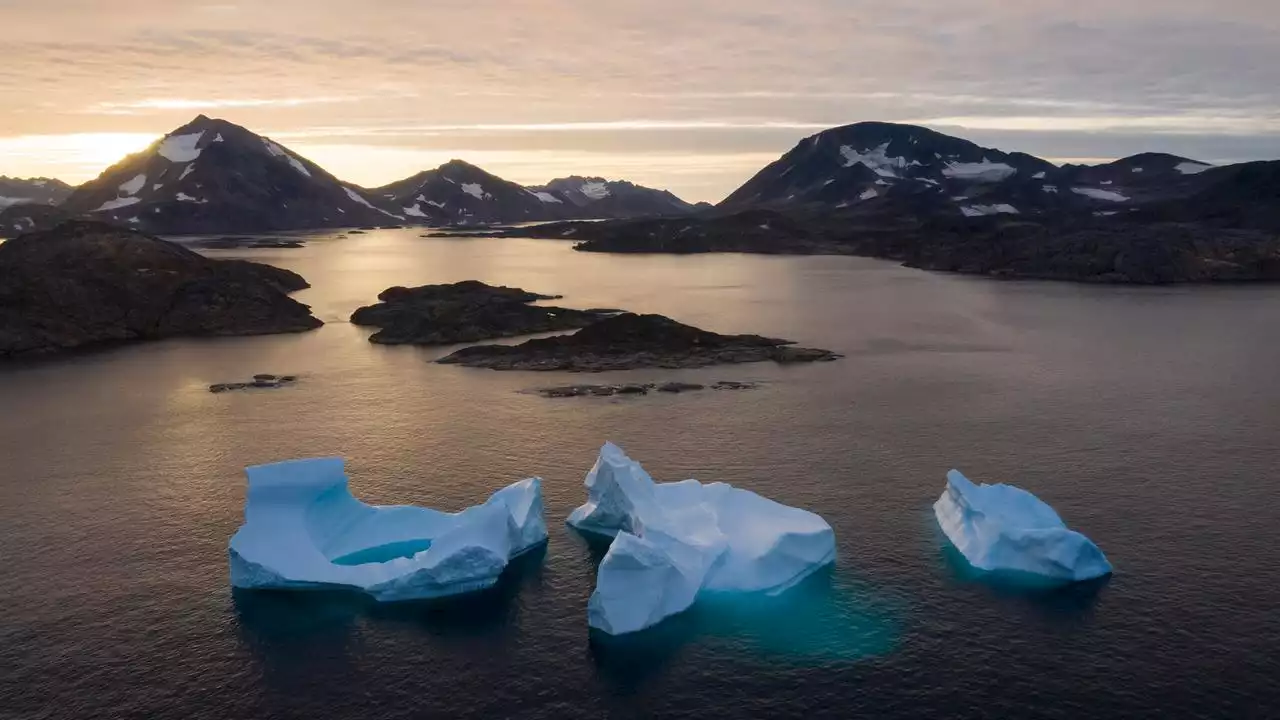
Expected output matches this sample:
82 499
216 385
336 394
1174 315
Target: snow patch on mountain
280 152
595 190
474 190
357 197
985 171
980 210
118 203
1192 167
415 210
180 148
547 197
1099 194
868 194
183 197
876 159
133 186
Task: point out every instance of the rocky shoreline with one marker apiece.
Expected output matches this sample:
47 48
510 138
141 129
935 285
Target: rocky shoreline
85 284
632 389
629 341
1142 250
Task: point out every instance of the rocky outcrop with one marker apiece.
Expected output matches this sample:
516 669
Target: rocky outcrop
86 283
468 311
628 341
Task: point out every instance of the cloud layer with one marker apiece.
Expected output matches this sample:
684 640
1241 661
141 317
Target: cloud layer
679 94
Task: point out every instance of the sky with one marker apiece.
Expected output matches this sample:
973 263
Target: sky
690 95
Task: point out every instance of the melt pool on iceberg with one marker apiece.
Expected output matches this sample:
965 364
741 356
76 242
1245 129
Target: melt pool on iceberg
304 530
675 540
1002 528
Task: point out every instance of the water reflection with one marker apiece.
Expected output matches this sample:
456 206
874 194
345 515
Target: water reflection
1050 600
827 617
270 621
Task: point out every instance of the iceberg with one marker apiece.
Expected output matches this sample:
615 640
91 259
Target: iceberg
304 530
672 541
1002 528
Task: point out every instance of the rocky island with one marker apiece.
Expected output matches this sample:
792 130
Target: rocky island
463 312
627 341
87 283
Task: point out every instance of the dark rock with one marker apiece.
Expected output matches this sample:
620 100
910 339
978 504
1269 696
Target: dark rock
628 341
633 390
87 283
366 227
355 232
261 381
467 311
679 387
734 385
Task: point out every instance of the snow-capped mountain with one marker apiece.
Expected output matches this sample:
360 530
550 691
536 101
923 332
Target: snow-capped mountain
858 163
38 191
599 198
461 193
212 176
885 167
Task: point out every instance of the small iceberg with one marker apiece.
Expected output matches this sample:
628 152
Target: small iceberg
304 530
1002 528
672 541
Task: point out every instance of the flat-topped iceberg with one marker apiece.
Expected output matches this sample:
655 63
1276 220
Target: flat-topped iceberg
1001 528
675 540
304 530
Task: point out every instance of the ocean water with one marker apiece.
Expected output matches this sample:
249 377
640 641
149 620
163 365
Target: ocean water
1147 416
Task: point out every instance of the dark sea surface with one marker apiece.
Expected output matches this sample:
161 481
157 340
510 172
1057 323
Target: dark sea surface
1149 417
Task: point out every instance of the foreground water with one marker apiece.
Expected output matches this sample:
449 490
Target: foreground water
1147 417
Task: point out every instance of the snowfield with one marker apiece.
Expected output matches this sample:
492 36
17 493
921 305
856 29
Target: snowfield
180 148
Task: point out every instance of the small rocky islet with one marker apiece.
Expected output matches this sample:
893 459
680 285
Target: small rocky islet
632 389
465 312
261 381
629 341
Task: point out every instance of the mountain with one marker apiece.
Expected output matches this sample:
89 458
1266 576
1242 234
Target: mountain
862 162
459 193
891 169
210 176
599 198
28 191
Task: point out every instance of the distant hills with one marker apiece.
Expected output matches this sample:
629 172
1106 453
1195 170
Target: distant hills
40 191
212 176
942 203
904 168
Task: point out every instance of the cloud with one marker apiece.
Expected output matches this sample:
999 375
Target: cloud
660 76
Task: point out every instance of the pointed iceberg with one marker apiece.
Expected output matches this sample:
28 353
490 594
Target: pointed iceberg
304 530
673 541
1001 528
